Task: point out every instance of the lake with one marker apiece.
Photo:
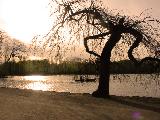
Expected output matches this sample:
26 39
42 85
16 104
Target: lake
120 85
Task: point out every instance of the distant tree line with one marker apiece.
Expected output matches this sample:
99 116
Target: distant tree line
72 67
128 67
44 67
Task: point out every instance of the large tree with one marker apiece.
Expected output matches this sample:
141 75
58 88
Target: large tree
11 48
88 19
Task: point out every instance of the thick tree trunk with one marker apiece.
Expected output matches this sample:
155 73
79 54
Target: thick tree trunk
103 88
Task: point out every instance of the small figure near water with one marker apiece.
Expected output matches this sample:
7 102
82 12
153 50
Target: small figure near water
84 78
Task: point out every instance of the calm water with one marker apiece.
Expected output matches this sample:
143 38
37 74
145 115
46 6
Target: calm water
121 85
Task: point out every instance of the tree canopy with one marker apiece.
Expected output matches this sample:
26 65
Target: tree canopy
90 20
11 48
101 29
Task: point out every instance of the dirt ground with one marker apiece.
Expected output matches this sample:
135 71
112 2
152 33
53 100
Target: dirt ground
18 104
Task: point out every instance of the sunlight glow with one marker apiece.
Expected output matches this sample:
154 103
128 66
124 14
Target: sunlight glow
35 58
23 19
38 86
38 82
35 78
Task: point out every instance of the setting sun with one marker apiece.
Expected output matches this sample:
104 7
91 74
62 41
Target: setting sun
23 19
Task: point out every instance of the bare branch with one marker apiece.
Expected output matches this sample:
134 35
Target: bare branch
146 59
99 36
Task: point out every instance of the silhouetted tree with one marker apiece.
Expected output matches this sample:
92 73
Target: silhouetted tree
11 48
1 49
87 19
16 50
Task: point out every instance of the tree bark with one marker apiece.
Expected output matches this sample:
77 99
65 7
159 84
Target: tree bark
103 88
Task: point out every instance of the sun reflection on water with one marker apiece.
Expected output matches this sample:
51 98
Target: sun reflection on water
38 86
35 78
37 82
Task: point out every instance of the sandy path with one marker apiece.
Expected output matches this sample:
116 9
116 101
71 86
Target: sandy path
37 105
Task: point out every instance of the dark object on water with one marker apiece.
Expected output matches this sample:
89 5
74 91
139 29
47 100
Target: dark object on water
85 79
90 80
2 76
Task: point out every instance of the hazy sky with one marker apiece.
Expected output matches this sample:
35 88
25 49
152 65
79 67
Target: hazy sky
23 19
135 6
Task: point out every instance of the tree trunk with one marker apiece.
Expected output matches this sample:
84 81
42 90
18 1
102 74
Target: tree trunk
103 88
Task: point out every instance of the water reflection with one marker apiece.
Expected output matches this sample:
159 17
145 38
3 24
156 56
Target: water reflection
37 82
123 85
35 78
37 86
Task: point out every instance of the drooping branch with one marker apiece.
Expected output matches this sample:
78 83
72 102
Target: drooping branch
151 59
101 20
139 38
136 43
96 15
99 36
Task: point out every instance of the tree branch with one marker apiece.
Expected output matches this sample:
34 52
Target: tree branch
139 37
101 35
149 59
94 12
136 43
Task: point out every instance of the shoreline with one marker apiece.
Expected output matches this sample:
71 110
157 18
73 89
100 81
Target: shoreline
17 104
46 74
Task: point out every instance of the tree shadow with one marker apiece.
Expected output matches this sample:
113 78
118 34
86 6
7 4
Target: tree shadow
147 103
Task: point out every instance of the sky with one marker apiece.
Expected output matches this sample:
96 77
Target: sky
135 7
23 19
